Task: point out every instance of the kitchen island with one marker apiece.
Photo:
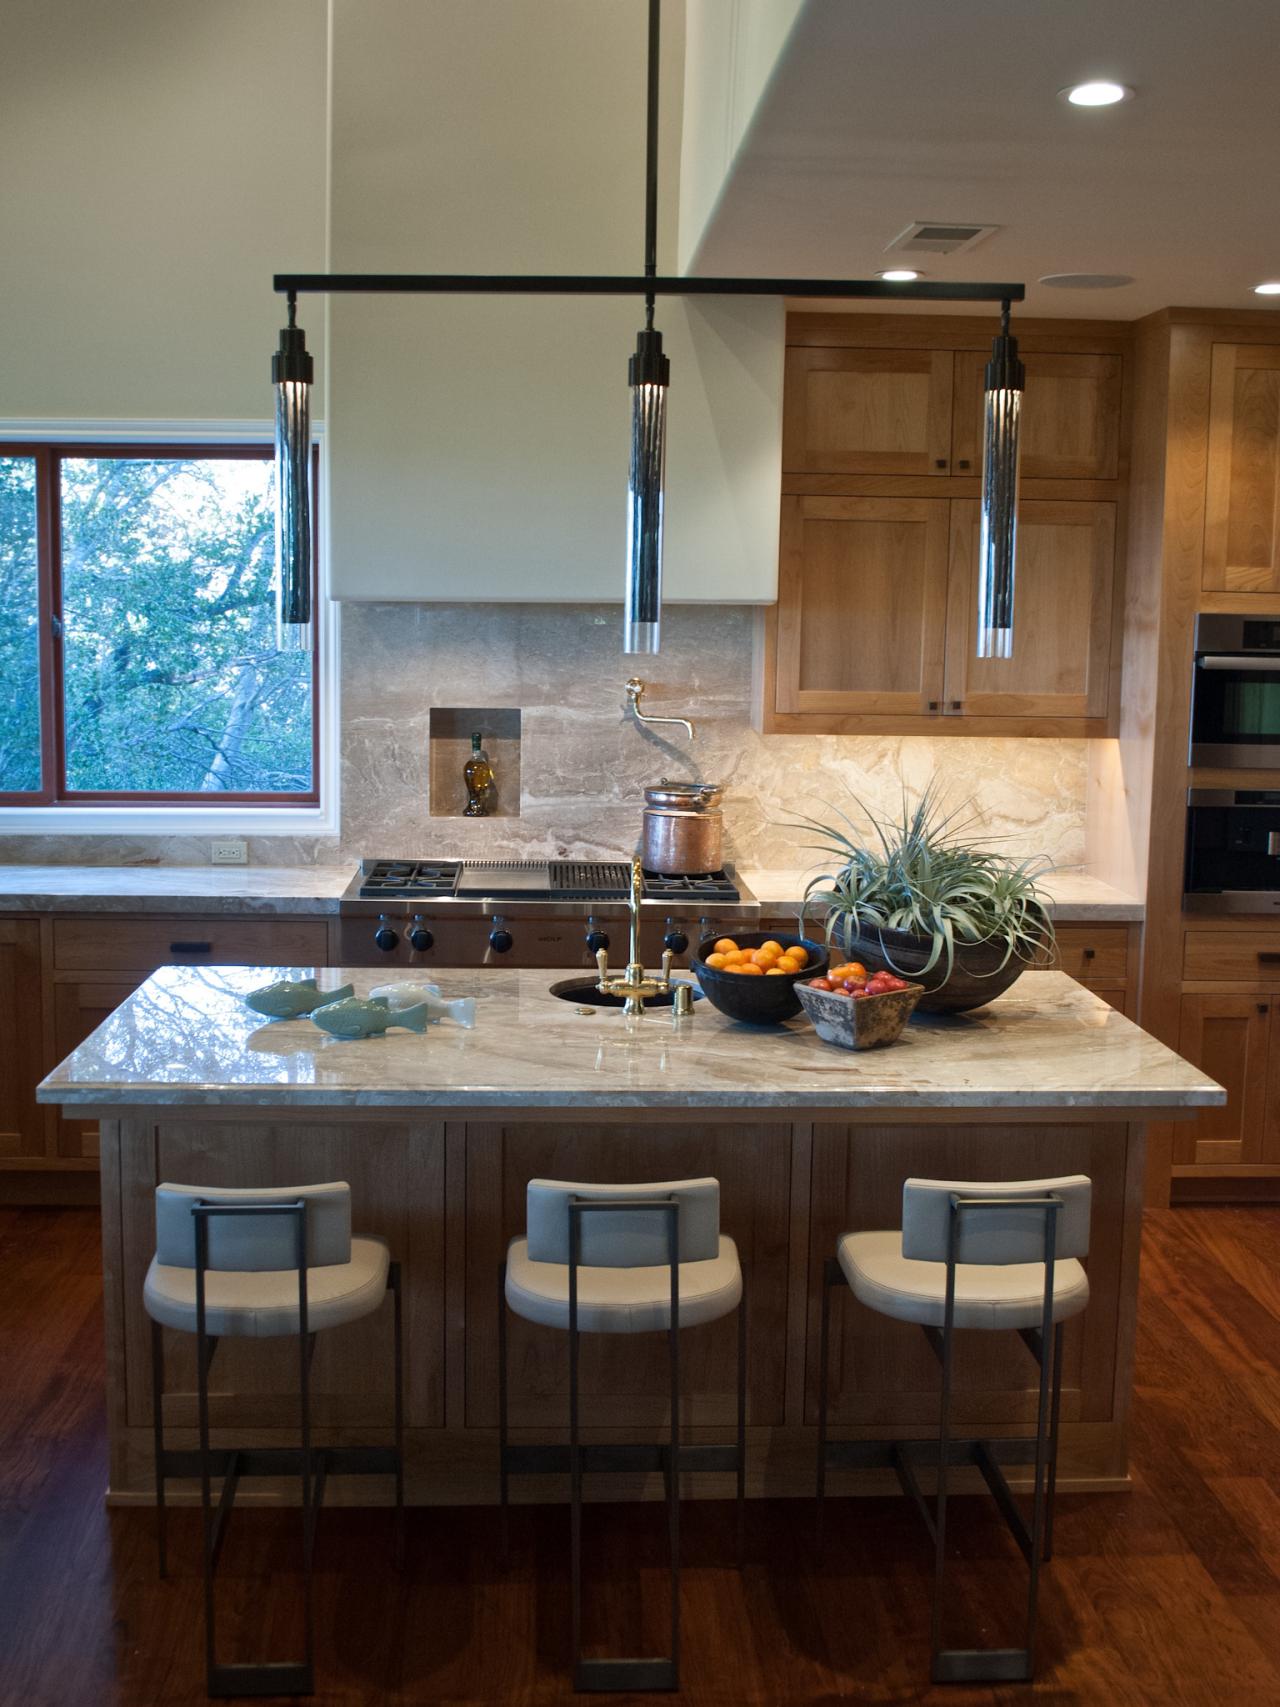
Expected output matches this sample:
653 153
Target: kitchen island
438 1135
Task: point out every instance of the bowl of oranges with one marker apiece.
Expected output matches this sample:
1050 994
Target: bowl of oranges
753 978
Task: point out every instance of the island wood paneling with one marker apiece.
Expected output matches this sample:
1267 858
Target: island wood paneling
624 1377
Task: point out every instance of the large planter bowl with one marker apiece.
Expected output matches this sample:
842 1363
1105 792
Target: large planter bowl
756 1001
976 975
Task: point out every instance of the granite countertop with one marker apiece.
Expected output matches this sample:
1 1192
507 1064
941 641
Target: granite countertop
173 888
316 888
1072 895
187 1039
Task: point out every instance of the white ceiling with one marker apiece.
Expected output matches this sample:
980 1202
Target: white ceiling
881 112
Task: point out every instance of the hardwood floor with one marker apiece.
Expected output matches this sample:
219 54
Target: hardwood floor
1168 1595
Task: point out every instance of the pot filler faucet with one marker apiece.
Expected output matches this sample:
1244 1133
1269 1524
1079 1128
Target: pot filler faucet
635 693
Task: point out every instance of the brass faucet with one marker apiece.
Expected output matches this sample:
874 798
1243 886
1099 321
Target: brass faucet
634 986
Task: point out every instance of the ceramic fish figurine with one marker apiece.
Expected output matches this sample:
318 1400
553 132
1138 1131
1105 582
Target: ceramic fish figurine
289 998
353 1017
460 1009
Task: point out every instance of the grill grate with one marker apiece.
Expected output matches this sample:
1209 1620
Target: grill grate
589 880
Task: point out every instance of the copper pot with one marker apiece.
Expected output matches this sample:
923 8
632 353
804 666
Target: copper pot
683 828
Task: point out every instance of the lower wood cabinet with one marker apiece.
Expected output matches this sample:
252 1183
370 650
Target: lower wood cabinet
1234 1036
23 1125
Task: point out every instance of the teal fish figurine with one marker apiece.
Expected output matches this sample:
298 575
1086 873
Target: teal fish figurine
290 998
352 1017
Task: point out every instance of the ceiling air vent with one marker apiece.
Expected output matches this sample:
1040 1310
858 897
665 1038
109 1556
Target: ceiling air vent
940 237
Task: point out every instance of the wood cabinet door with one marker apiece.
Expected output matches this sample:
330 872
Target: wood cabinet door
862 600
851 411
1070 416
1227 1035
1063 584
23 1126
1241 513
79 1009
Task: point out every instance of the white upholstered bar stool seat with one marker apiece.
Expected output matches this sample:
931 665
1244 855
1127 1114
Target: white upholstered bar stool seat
259 1304
623 1300
1009 1295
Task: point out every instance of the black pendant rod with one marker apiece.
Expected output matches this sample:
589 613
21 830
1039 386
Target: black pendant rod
651 159
585 284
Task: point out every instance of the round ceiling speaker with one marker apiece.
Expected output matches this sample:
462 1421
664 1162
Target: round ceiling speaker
1086 281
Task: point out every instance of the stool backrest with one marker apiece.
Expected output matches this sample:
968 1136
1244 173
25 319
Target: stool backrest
1003 1233
619 1238
252 1243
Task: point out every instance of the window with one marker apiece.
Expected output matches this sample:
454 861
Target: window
138 659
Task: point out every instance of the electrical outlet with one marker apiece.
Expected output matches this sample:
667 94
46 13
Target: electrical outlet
230 852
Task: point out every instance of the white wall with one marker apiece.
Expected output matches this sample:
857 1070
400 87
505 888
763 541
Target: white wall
478 446
159 161
732 48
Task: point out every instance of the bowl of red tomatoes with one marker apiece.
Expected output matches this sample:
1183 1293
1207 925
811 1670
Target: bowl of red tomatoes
857 1009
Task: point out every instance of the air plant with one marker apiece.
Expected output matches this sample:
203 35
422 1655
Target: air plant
925 876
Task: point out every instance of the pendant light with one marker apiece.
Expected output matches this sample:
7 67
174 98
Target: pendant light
292 371
649 375
1005 380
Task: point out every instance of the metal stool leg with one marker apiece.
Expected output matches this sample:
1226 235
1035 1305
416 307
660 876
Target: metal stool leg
830 1274
504 1491
742 1425
157 1442
940 1673
397 1329
1055 1415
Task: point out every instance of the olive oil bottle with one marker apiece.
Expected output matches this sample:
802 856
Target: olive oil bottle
477 773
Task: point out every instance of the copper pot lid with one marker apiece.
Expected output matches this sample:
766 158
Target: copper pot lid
685 796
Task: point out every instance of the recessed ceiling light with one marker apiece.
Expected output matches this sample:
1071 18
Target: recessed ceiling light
1270 288
899 275
1098 94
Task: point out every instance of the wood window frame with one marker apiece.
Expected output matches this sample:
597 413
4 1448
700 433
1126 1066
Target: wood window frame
53 790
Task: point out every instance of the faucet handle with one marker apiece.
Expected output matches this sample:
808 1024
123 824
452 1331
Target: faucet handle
602 963
668 955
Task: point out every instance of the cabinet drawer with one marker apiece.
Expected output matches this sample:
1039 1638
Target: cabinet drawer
140 945
1242 956
1095 954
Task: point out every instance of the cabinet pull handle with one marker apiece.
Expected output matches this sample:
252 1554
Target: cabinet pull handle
941 462
1088 953
1269 956
190 948
963 462
933 704
957 705
1264 1007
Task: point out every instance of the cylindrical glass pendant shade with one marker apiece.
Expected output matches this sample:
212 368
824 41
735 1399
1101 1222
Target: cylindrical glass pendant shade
292 374
998 540
642 614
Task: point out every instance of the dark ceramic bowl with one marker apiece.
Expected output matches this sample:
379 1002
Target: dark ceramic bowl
977 976
756 1001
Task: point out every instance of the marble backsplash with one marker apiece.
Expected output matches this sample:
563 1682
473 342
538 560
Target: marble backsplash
584 761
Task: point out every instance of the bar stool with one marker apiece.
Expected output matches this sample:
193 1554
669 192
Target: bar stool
622 1259
972 1255
263 1264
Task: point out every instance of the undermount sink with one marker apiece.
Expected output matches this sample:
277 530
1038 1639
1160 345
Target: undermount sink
584 993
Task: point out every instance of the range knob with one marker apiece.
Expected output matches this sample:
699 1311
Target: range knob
675 939
500 938
384 936
420 938
596 938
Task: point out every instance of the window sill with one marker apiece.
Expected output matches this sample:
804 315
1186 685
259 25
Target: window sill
169 820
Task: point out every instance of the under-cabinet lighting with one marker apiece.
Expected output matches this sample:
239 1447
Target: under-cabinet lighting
1099 94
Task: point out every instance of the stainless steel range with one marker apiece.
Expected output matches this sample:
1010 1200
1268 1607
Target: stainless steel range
445 912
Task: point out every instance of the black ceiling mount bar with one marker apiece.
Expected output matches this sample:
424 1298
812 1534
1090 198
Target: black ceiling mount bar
551 284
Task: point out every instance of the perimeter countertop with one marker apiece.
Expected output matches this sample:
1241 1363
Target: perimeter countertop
315 889
186 1039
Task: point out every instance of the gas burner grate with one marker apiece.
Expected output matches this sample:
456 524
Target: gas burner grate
589 880
408 878
700 886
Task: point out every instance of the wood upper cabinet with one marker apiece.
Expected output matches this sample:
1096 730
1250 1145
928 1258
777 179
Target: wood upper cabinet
862 601
1070 416
867 411
1231 1036
1062 615
1242 509
23 1126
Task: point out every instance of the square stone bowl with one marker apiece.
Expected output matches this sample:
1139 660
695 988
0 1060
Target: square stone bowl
862 1022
